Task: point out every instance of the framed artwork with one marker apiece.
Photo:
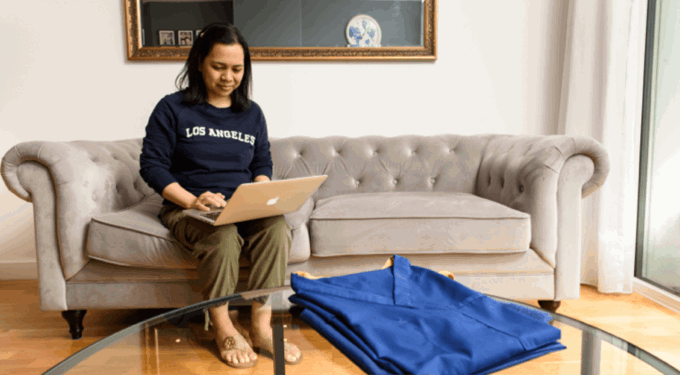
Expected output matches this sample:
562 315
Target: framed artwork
186 37
326 33
166 37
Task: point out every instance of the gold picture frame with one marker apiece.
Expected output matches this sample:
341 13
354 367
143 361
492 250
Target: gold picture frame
426 52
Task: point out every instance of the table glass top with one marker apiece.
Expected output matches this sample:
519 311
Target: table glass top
176 343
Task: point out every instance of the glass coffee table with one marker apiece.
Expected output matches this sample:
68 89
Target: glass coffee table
176 343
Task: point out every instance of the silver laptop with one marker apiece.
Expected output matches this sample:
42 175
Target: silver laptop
256 200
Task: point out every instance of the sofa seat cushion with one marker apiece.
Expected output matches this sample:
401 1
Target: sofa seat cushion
416 223
136 237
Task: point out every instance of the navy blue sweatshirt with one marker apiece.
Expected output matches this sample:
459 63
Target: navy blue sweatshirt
203 147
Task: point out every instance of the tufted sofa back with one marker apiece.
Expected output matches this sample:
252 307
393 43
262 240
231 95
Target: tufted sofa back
441 163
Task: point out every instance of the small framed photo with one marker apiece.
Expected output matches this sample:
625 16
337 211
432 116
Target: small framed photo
167 37
186 37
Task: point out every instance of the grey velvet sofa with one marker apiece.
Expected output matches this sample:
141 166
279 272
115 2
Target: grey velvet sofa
501 212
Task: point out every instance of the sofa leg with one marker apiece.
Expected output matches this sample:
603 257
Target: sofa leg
550 305
75 322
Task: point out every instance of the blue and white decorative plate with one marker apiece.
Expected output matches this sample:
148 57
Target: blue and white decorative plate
363 31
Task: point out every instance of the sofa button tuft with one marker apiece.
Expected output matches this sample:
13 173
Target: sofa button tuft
395 181
521 188
432 181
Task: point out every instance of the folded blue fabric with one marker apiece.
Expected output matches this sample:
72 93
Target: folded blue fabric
412 320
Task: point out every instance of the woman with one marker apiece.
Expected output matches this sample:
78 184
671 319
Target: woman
201 143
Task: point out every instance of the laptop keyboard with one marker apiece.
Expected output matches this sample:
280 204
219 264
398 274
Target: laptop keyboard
212 215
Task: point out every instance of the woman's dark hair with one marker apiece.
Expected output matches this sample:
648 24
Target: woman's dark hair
195 92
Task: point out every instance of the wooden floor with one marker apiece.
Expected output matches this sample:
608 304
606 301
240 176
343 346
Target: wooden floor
33 341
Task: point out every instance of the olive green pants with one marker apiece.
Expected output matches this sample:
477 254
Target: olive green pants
264 242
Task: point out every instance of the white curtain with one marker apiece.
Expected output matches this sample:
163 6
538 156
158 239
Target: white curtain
601 96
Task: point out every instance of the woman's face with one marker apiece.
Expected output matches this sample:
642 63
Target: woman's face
222 72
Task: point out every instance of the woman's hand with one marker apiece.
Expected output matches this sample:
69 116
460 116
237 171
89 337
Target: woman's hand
208 198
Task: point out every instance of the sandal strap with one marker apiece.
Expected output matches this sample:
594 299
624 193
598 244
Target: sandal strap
237 342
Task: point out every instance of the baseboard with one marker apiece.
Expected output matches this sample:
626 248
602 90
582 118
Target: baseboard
657 295
18 270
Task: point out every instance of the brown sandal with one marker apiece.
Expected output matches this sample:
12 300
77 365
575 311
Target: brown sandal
239 343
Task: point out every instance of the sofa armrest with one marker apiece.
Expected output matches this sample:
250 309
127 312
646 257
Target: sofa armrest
51 282
88 178
574 174
298 221
522 172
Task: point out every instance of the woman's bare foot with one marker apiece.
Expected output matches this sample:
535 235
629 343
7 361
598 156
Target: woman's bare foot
233 315
263 339
262 336
233 347
233 351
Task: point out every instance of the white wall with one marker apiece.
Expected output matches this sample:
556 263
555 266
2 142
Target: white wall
64 76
